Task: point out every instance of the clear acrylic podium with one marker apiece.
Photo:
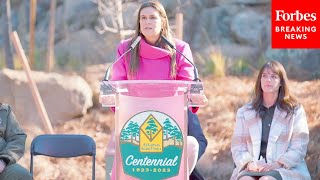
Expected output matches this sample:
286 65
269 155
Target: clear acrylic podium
151 126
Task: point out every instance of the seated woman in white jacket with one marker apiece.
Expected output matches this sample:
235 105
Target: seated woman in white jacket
271 134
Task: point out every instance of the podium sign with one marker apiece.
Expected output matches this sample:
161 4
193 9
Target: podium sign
151 126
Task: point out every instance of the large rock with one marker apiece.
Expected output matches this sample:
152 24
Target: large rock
64 97
79 14
239 2
129 14
302 64
249 28
252 2
212 28
94 74
85 47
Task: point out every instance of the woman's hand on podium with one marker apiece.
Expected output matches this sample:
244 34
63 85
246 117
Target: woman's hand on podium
107 100
198 100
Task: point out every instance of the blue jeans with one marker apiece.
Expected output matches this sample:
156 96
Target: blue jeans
15 172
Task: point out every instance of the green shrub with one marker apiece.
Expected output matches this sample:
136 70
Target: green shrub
65 61
219 64
241 67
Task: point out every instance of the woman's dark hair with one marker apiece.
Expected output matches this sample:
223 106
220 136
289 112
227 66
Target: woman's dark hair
165 31
285 101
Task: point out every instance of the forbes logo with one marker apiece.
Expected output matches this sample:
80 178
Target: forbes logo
281 15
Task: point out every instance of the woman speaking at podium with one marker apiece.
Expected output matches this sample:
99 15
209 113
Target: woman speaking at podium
151 57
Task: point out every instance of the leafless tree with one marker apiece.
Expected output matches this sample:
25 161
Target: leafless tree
33 12
114 10
50 55
7 28
178 27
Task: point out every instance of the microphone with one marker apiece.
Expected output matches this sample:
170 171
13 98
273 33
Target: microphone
133 45
195 70
107 88
195 88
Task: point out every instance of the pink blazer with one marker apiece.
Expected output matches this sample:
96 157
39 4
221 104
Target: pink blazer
154 63
287 143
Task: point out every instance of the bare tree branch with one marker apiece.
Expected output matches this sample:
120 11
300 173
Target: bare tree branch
112 9
105 28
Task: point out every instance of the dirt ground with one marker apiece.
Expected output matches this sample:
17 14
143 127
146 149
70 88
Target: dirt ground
225 96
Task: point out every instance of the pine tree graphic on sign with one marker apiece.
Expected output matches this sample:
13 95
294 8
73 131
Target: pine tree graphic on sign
152 128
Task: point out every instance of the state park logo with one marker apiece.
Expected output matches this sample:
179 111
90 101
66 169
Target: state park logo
151 145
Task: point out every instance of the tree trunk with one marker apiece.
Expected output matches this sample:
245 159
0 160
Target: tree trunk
167 135
33 13
119 18
7 28
150 134
179 25
65 26
50 55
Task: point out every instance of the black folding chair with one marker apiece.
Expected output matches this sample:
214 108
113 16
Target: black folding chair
63 146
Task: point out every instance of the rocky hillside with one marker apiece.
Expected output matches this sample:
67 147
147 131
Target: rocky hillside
225 96
233 35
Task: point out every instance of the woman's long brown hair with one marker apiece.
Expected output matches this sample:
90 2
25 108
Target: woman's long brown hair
285 101
166 31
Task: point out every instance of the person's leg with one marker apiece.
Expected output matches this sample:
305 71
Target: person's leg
195 130
113 171
247 178
193 150
267 178
110 158
15 172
